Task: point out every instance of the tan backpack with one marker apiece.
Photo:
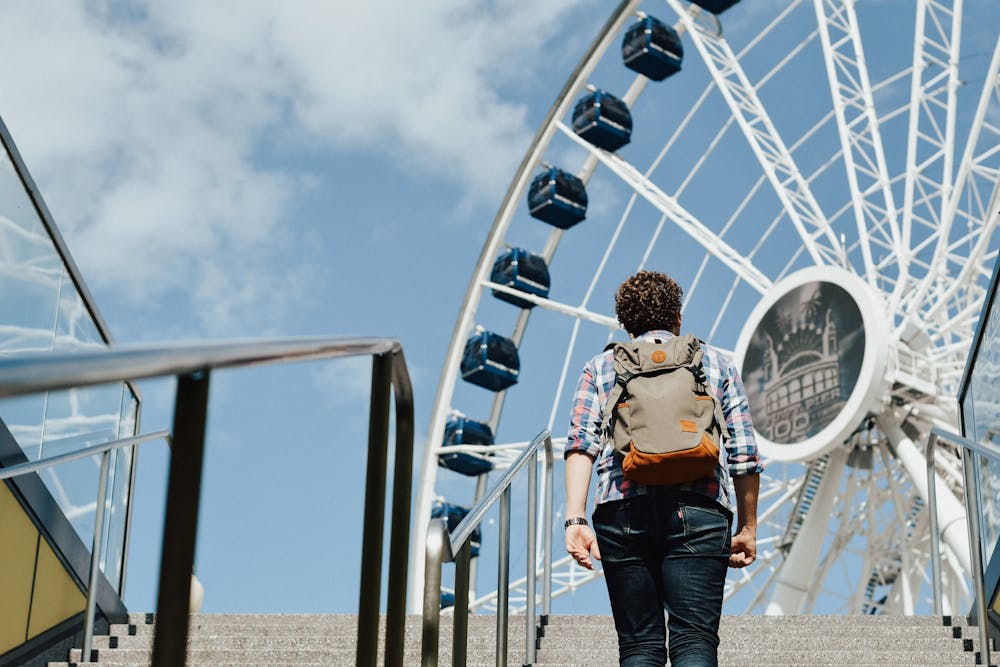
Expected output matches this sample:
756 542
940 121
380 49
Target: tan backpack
666 425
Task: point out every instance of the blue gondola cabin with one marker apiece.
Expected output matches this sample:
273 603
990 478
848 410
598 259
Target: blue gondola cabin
603 120
652 48
461 430
715 6
520 270
490 361
558 198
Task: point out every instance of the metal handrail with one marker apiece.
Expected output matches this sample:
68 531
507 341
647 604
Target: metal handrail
971 486
443 547
192 363
104 449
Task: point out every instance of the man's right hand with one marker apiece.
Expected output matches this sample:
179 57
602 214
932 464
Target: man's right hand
581 543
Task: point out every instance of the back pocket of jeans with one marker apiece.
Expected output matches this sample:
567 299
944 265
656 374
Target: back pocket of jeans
611 524
706 531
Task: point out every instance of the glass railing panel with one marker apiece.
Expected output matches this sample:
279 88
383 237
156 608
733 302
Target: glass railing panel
42 310
30 274
75 419
23 418
30 269
981 411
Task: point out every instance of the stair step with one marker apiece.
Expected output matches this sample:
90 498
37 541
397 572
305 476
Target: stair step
303 640
805 657
282 642
562 641
277 656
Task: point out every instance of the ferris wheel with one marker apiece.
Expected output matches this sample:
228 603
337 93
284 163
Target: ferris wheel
821 178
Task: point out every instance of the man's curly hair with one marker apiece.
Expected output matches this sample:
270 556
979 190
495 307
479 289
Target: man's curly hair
647 301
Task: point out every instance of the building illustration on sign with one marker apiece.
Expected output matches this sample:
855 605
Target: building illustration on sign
805 389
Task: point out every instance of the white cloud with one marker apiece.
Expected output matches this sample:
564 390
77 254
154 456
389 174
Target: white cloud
146 122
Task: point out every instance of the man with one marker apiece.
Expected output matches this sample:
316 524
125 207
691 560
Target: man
662 547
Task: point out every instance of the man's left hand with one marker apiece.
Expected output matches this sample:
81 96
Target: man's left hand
743 548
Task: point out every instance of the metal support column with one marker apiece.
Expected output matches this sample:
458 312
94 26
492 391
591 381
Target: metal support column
460 630
180 526
399 542
95 560
503 579
532 575
374 513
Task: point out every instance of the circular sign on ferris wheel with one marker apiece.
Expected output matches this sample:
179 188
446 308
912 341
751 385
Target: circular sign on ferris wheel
813 356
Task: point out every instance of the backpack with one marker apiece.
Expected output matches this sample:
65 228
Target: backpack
666 426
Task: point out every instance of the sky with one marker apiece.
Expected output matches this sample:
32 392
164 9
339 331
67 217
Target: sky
232 169
235 169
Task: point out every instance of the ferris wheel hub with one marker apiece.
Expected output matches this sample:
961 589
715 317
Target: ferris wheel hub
813 355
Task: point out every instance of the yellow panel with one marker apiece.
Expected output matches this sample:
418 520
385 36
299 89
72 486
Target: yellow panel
17 566
57 597
996 600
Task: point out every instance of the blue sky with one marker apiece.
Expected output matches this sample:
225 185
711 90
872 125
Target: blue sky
242 169
234 169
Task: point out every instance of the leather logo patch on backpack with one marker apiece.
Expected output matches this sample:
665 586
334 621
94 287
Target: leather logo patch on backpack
666 426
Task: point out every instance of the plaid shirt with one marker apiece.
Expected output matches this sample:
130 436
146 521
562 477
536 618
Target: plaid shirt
588 432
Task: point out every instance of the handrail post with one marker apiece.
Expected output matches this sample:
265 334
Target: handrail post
547 535
399 544
95 559
460 629
503 579
180 525
374 513
439 548
435 544
971 484
934 527
529 608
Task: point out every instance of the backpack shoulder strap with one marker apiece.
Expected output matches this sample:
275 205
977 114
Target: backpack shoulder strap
699 372
626 361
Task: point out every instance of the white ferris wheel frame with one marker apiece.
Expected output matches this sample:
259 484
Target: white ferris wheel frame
930 207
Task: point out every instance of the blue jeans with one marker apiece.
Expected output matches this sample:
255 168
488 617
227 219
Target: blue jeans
665 550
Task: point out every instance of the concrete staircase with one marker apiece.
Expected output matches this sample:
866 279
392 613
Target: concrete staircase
290 639
852 641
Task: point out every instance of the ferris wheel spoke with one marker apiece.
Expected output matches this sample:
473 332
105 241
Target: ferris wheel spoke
555 306
979 171
722 233
931 137
764 140
860 140
564 375
791 55
695 109
687 222
970 265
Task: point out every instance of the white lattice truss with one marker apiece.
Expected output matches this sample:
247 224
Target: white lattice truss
867 174
775 159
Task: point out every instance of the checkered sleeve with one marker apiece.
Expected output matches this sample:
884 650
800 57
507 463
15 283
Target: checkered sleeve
586 420
742 457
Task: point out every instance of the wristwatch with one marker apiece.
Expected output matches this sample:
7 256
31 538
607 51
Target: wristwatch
576 521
